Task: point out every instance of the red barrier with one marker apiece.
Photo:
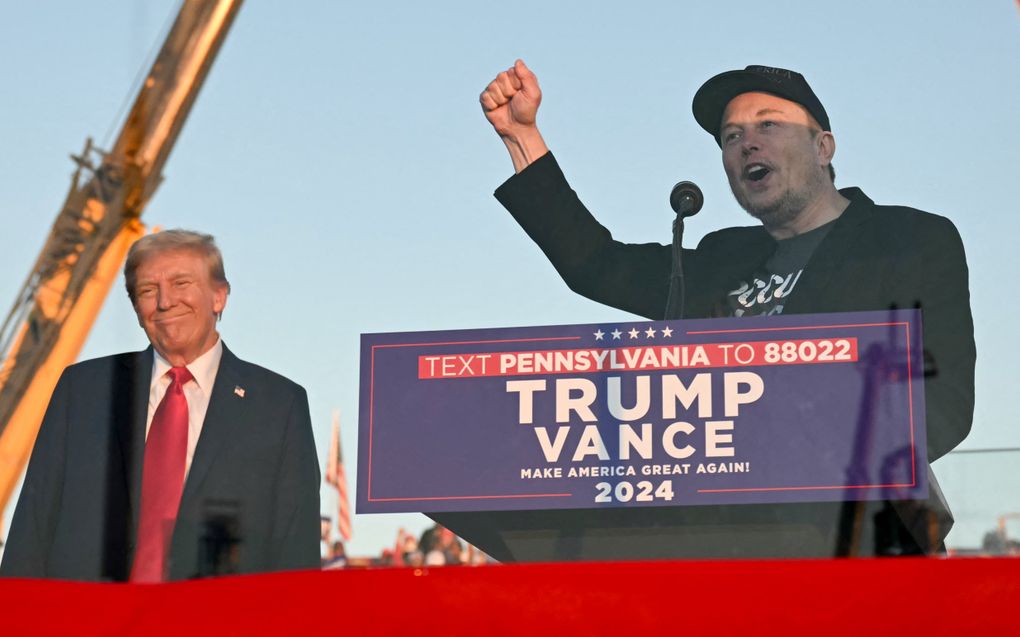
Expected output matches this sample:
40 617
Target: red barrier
921 597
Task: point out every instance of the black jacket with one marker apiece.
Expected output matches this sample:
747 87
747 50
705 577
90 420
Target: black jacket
254 475
874 258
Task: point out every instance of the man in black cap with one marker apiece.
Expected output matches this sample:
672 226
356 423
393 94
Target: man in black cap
818 249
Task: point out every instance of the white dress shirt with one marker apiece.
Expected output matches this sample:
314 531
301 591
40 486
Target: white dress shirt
197 391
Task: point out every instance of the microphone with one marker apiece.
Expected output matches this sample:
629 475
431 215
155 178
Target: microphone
686 199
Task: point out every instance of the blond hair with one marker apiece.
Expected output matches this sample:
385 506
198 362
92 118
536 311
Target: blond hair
199 243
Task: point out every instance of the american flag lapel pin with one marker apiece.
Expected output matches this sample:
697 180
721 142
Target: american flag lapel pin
239 391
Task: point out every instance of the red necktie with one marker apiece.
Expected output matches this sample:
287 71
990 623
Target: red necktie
166 450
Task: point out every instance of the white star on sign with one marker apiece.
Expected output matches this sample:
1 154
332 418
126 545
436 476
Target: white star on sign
616 334
599 334
667 331
650 333
633 333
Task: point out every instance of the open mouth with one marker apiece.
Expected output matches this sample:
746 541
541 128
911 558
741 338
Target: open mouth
756 172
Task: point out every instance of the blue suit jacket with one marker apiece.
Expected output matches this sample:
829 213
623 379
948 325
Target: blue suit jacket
254 473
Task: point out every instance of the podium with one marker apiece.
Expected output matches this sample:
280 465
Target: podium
809 530
783 437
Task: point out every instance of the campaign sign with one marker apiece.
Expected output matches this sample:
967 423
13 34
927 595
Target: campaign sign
799 408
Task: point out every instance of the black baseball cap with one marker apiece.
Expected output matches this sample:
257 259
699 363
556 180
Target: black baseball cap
711 99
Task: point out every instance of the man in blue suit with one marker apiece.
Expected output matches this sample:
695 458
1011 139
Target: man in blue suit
177 461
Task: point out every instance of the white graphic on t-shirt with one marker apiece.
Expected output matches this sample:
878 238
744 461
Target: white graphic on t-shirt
764 297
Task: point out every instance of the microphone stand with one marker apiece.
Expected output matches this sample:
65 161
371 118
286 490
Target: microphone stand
677 288
685 199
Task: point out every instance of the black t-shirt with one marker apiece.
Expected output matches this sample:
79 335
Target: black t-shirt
765 292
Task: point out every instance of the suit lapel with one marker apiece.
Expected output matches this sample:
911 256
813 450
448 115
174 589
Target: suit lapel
132 406
814 292
226 411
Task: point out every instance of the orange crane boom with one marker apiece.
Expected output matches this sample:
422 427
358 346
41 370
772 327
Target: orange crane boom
55 309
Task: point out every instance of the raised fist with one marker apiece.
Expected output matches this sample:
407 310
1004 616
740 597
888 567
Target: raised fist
510 102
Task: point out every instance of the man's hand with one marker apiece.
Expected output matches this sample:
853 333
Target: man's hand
510 103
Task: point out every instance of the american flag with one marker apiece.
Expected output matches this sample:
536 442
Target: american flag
336 476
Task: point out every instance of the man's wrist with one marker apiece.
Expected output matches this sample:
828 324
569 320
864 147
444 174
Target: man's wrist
524 146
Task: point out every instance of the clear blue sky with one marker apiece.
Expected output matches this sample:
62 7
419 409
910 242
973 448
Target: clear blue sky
338 153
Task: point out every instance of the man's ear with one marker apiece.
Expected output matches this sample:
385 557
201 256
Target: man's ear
826 147
219 299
